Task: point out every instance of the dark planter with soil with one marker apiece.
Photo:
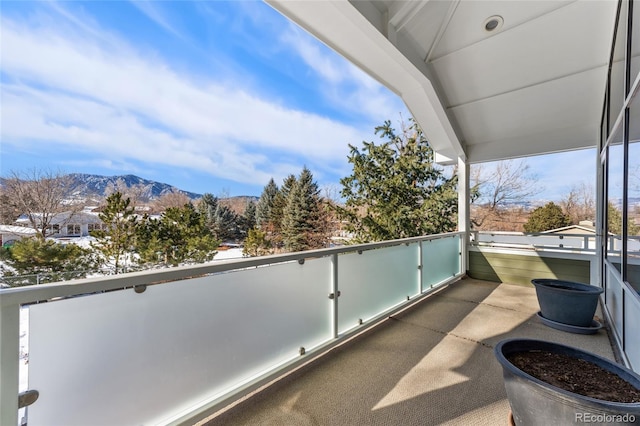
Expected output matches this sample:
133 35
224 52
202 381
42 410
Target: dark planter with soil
567 302
548 383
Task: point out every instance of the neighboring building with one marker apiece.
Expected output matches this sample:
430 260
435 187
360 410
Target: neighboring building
68 224
12 233
586 227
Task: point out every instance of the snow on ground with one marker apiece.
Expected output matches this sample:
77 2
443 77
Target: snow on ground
232 253
84 242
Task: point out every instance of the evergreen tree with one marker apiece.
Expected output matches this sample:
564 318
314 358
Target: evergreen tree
48 259
614 221
256 243
247 221
545 218
250 214
150 247
207 207
302 214
265 203
225 224
179 236
116 241
274 227
395 190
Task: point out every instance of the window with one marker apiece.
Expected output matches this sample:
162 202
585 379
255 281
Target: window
635 42
633 200
53 229
621 172
615 193
73 229
96 227
617 80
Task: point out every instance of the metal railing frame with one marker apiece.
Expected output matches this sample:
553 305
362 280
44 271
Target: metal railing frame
12 299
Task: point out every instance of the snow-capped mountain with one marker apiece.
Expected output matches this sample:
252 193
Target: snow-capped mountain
87 186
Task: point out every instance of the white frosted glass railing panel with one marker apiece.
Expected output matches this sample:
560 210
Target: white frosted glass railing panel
632 330
440 260
614 299
122 358
374 281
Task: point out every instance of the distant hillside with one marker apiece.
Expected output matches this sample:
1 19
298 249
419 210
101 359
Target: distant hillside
87 186
92 189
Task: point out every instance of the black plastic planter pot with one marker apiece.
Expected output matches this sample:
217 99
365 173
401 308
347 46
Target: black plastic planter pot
534 402
567 302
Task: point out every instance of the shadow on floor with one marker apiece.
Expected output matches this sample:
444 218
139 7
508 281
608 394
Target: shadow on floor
430 364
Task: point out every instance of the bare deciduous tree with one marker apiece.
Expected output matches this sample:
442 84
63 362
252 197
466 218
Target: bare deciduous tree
42 196
170 199
580 203
506 184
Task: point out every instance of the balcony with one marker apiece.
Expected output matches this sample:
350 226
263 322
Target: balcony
432 363
176 345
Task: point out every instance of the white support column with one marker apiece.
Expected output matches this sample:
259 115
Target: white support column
601 238
9 364
464 206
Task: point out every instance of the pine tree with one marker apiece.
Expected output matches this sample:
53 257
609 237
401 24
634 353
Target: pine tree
50 260
207 207
225 224
250 214
545 218
179 236
279 203
256 243
265 203
301 213
247 220
116 241
614 221
395 190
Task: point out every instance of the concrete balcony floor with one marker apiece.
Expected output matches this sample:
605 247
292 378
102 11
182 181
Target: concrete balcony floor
430 364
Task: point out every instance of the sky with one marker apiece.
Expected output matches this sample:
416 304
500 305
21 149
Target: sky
208 96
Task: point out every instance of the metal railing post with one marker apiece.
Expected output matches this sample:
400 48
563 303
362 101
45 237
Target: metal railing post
420 269
9 363
335 291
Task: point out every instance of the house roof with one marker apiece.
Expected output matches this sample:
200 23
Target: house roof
17 230
572 229
533 85
65 218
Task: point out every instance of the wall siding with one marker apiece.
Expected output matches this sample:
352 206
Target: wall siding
521 269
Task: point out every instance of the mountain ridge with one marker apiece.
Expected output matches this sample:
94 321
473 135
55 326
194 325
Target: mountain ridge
90 185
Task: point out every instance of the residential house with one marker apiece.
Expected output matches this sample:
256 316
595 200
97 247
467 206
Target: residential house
67 224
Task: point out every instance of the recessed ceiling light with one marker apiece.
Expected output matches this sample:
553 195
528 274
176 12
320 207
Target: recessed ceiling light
493 23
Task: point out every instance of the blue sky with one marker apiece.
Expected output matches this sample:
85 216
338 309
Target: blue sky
209 96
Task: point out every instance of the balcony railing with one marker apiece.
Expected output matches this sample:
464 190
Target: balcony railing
584 243
621 299
165 347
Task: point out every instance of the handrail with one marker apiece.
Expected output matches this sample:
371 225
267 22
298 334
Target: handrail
12 299
537 241
30 294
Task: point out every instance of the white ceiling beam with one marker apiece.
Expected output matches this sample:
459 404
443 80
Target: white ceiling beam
344 29
401 12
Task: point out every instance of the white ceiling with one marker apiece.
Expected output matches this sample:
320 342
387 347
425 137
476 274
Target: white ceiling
533 86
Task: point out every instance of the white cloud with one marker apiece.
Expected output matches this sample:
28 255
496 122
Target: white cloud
72 88
346 85
156 15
